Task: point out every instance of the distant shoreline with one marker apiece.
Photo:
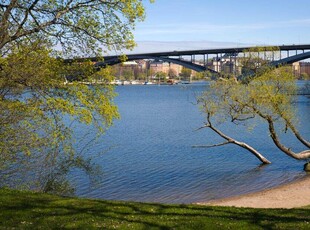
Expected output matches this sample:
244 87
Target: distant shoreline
292 195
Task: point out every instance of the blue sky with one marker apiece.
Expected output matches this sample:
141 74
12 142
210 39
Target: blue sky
194 24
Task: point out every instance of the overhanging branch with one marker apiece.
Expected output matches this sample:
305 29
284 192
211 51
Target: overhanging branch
231 140
211 146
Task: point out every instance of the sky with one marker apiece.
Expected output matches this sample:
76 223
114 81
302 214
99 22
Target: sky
202 24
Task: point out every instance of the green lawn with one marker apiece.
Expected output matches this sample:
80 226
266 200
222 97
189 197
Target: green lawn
27 210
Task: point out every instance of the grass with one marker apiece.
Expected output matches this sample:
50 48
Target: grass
28 210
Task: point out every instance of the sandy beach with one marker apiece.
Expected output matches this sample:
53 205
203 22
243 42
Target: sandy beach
293 195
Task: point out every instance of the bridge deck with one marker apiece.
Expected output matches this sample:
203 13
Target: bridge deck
166 56
200 52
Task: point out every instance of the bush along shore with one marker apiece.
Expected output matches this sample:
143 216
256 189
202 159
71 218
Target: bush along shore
29 210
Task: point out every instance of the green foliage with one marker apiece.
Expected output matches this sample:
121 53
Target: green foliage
203 75
150 72
139 75
304 76
41 98
161 76
25 210
34 99
268 96
272 93
79 27
256 59
127 74
186 73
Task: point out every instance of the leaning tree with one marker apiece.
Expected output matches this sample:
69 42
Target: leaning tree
267 93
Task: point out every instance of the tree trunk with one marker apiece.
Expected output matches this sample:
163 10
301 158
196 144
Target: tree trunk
298 156
233 141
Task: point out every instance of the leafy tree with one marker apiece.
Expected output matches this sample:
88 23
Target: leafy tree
256 59
186 73
34 101
200 75
304 76
141 75
127 74
78 26
38 106
161 76
267 96
150 73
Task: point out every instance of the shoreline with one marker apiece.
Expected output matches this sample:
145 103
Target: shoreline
292 195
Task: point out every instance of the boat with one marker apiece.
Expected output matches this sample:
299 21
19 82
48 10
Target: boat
185 82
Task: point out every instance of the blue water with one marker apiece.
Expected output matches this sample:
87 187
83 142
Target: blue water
148 156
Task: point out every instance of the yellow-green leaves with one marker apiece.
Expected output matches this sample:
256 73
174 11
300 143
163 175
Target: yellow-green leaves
40 98
78 27
267 95
34 102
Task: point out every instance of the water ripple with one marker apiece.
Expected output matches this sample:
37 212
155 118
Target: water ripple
150 157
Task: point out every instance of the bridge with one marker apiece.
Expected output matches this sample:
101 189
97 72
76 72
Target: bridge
188 58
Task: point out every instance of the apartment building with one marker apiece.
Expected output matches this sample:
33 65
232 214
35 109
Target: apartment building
168 68
300 68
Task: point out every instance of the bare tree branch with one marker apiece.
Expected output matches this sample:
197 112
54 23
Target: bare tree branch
233 141
211 146
83 25
20 27
292 128
4 33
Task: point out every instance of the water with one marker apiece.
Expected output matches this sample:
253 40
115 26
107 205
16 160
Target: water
148 154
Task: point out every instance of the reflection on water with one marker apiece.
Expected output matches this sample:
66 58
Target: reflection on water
150 155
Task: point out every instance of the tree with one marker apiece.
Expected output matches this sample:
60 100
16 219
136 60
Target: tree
34 100
172 73
205 75
268 96
150 73
186 73
36 137
304 76
78 26
256 59
127 74
161 76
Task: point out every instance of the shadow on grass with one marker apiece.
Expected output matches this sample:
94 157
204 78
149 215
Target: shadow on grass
29 210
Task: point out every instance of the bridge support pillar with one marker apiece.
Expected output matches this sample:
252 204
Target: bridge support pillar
204 60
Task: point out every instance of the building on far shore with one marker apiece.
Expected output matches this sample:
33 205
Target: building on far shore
301 68
225 64
147 69
165 67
